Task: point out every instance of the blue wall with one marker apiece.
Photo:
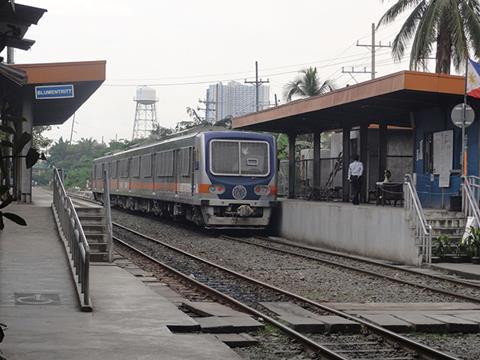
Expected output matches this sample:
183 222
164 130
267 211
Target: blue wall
434 120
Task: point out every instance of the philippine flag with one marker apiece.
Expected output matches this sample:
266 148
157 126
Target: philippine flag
473 79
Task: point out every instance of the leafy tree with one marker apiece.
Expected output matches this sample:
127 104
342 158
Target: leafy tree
308 84
452 25
40 141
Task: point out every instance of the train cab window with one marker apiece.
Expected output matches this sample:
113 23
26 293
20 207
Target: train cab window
239 158
123 168
135 166
146 165
254 158
164 163
224 155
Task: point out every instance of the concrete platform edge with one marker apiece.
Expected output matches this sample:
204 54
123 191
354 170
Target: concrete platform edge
83 307
465 274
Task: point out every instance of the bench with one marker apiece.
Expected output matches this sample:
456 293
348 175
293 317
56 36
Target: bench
389 192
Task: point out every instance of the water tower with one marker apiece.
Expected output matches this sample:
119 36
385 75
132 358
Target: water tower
145 112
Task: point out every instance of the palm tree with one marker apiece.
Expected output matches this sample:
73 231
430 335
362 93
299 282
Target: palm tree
453 25
308 84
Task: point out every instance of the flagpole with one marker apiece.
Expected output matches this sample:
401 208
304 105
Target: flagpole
464 117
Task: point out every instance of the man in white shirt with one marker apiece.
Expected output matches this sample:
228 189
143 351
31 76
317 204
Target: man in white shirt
355 172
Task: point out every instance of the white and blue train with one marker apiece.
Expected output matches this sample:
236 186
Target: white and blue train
217 179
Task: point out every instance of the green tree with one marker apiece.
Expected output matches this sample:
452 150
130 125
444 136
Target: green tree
308 84
452 25
39 140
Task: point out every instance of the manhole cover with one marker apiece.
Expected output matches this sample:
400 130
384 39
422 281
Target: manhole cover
37 299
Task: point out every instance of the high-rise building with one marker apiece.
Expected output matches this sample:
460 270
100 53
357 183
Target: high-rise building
234 99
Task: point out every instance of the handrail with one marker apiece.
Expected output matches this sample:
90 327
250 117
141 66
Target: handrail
471 198
76 242
415 214
108 214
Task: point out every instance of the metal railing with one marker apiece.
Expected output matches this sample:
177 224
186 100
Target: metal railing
76 242
416 217
470 197
108 214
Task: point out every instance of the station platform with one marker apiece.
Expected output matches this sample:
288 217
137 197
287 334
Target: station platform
38 303
469 271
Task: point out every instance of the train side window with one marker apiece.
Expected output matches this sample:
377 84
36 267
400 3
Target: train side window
112 169
98 171
164 163
135 166
146 165
185 161
123 168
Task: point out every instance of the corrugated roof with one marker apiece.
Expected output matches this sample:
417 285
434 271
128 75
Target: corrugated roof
387 99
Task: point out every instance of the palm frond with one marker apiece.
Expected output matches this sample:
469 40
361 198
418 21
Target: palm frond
407 31
470 13
426 33
459 39
396 10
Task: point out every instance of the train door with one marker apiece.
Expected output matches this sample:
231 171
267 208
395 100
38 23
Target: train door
192 169
176 169
129 174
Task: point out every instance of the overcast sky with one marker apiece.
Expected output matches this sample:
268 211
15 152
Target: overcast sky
163 43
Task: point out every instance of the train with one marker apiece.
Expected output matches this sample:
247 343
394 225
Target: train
215 179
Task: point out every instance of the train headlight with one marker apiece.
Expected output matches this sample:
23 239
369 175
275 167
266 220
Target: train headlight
262 190
216 189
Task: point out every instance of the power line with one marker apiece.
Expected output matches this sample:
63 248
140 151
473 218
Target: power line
257 83
373 47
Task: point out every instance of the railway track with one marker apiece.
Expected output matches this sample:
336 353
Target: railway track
456 288
372 342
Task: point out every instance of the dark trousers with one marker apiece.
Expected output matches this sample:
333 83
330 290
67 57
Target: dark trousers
356 187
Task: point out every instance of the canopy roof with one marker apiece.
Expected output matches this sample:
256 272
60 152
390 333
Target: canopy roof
385 100
15 19
86 77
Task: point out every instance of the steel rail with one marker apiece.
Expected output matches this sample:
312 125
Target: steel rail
312 345
363 271
420 349
371 262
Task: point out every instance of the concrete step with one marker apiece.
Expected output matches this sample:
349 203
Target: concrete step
97 247
89 210
442 213
91 217
450 222
100 256
95 237
94 228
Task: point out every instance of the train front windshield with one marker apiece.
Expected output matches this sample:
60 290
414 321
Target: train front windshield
239 158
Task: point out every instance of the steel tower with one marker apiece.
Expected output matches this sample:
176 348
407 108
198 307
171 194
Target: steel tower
145 112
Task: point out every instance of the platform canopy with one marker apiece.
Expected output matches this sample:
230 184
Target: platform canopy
78 80
15 19
387 100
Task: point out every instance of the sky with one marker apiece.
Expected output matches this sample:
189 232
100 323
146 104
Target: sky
180 47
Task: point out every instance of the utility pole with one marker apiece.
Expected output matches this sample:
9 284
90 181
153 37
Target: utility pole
71 131
10 50
207 106
373 48
257 83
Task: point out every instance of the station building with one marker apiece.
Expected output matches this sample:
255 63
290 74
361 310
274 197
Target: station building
43 94
400 122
